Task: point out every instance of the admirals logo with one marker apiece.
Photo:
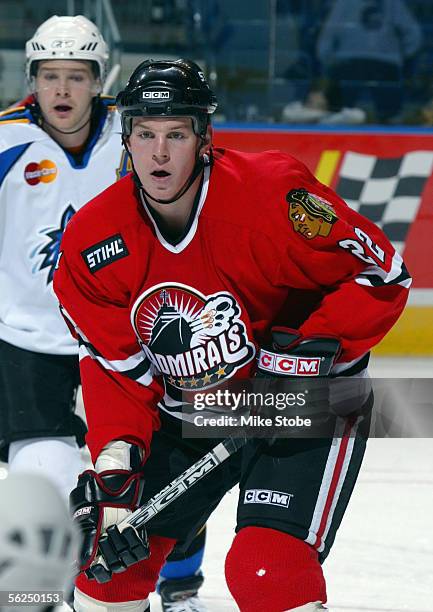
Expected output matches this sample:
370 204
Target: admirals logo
51 248
194 340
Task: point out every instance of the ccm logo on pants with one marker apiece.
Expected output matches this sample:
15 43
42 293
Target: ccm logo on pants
263 496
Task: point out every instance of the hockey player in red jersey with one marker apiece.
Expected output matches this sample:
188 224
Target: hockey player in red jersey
176 278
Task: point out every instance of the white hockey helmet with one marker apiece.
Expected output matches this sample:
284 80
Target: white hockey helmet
74 38
37 538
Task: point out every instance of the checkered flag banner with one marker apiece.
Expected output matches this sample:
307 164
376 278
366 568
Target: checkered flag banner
386 190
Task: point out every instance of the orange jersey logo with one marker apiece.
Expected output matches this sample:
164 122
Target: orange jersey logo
42 172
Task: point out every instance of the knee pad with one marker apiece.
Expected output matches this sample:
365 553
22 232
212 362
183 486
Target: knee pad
57 458
270 570
84 603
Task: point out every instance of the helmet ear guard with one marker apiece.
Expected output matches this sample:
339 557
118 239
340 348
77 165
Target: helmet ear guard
165 88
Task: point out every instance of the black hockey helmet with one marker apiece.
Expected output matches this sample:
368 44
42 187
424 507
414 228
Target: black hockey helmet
164 88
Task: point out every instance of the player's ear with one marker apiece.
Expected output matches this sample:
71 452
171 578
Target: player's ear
97 86
207 142
209 136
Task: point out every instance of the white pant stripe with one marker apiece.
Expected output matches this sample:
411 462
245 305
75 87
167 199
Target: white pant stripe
326 483
342 478
325 486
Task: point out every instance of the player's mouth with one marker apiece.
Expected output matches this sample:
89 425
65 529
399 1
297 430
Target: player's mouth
62 110
160 175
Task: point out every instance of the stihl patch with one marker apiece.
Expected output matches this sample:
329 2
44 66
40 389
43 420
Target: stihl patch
104 253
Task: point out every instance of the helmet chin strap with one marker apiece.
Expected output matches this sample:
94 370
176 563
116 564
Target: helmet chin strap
53 127
199 165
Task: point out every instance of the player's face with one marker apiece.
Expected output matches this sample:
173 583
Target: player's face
164 153
64 90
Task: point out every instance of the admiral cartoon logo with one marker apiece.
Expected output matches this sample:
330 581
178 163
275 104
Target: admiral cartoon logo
194 340
310 215
42 172
105 252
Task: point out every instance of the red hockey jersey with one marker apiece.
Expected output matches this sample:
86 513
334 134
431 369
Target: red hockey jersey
266 244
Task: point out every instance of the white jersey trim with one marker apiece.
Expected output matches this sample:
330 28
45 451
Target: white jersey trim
122 366
386 278
178 248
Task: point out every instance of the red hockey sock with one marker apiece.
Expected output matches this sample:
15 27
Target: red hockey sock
136 582
273 571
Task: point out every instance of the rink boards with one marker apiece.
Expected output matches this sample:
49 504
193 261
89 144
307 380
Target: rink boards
387 175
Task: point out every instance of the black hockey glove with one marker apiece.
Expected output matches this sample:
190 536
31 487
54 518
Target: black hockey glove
303 367
293 375
290 355
105 550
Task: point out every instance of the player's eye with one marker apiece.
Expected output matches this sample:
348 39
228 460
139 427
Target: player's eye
78 78
176 135
144 134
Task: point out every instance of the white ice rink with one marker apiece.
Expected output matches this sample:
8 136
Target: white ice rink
382 559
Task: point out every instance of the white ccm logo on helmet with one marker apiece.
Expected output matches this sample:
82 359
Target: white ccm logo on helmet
156 95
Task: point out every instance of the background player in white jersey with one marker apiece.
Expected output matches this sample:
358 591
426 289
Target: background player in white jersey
57 151
38 541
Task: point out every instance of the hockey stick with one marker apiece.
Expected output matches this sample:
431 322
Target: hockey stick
183 483
180 485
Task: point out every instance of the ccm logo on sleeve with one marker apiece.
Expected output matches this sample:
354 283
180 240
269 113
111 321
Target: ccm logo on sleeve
289 365
105 252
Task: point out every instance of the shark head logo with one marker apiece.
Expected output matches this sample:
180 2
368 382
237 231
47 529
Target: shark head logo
51 248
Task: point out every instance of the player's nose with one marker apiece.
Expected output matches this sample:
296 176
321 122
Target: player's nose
160 150
62 88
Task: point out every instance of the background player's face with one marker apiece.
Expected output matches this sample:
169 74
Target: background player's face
164 153
64 90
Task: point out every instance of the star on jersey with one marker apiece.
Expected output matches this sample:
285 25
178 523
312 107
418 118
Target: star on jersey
50 250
